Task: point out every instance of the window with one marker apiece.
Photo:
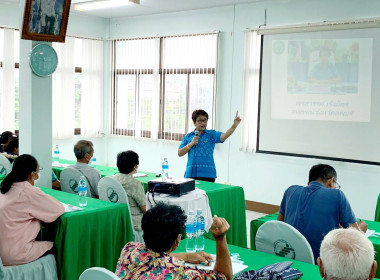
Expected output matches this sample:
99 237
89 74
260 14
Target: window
9 79
78 88
158 82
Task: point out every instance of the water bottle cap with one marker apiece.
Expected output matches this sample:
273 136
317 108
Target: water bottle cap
191 212
199 211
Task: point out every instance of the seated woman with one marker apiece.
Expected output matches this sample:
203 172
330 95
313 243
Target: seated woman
5 138
11 149
162 226
127 163
22 209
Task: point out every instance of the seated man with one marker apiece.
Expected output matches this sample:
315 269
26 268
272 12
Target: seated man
162 226
347 254
317 209
84 151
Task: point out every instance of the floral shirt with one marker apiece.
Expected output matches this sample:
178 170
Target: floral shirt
138 262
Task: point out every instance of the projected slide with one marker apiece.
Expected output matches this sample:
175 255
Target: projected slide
322 79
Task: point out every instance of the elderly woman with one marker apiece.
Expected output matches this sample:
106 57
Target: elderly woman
162 226
22 209
200 144
128 163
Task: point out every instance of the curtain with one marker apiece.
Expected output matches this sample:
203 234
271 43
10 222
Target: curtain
92 88
7 80
251 90
64 91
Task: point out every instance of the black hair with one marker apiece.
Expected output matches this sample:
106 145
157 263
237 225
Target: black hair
321 172
198 113
11 146
5 137
161 226
22 167
126 161
83 147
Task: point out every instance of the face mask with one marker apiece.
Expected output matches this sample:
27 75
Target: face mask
36 181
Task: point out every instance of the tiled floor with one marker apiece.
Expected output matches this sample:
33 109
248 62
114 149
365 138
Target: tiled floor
250 215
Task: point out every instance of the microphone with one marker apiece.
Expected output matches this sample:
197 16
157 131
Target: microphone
196 132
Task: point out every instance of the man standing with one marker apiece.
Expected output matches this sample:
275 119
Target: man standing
84 151
320 207
347 254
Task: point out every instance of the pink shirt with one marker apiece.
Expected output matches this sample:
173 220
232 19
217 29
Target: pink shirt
22 209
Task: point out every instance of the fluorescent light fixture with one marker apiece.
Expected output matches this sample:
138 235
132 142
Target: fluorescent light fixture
103 4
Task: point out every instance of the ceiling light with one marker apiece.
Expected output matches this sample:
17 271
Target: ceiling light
103 4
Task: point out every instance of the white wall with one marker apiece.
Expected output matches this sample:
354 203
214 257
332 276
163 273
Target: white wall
263 177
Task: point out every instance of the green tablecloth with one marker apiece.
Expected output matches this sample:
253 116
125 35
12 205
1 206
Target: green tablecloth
256 260
255 224
377 212
92 237
225 201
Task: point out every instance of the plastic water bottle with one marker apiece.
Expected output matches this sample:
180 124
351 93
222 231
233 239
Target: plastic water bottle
190 232
56 155
82 191
200 239
165 169
93 160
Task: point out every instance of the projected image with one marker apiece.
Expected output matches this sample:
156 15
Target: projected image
320 79
323 66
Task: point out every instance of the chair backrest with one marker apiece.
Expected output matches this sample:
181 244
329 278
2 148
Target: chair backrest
5 165
281 239
98 273
111 190
69 181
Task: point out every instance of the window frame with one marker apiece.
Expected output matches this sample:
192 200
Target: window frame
162 75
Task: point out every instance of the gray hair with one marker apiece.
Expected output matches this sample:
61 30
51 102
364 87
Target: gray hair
347 254
83 147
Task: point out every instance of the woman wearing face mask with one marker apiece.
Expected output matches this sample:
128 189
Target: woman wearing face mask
22 209
128 163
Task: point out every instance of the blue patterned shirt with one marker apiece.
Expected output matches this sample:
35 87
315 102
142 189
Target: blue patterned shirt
200 162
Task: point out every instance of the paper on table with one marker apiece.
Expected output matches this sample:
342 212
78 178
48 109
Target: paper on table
137 175
371 232
237 265
60 165
71 208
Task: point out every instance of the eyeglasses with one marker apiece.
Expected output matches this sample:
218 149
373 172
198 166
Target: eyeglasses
201 120
337 186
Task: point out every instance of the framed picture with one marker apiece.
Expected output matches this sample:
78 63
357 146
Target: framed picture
45 20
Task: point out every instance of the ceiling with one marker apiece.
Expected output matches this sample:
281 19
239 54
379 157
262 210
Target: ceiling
149 7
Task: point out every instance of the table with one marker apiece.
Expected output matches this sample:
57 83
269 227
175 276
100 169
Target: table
255 224
377 212
94 236
225 201
256 260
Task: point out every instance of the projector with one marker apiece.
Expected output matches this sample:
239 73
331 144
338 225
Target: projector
172 186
